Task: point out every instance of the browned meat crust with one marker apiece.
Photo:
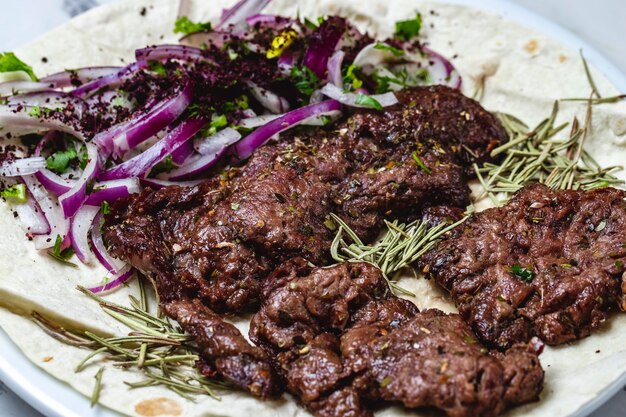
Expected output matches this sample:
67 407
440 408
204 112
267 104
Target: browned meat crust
341 340
217 242
572 246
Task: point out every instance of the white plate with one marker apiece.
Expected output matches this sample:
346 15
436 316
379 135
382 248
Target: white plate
55 399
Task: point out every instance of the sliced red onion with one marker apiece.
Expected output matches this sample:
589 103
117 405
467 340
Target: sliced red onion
372 56
82 75
59 225
245 147
79 232
182 153
214 144
156 183
167 52
124 275
196 164
352 99
140 165
72 200
14 87
113 265
110 191
261 18
22 166
121 138
268 99
334 68
49 99
285 62
452 77
111 80
23 121
210 150
248 113
322 44
240 11
53 182
32 217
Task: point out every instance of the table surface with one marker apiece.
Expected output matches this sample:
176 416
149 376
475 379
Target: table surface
600 22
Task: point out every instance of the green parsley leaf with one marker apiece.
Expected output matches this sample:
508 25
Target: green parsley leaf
351 77
419 163
60 161
304 79
157 67
166 165
35 111
389 48
16 193
309 24
407 29
185 26
218 120
368 101
522 273
105 207
9 63
64 255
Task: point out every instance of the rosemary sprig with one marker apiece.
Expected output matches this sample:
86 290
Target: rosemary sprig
95 396
160 350
538 155
401 245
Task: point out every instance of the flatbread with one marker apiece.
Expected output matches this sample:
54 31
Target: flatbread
525 72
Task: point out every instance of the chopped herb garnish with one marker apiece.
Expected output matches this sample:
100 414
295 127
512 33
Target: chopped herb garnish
166 165
619 265
234 206
15 193
185 26
368 101
420 164
35 111
157 67
408 29
62 255
10 63
105 207
351 77
304 79
59 161
386 381
522 273
385 47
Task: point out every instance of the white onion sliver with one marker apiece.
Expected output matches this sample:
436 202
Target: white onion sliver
351 99
59 225
79 231
22 166
271 101
334 68
32 217
252 122
216 143
29 124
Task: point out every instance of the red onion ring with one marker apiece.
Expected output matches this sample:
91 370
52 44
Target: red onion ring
245 147
140 165
59 225
240 11
118 280
113 265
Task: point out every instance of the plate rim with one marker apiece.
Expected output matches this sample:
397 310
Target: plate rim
50 396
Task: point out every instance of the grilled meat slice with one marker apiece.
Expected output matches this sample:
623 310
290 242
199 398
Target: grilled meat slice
341 339
224 350
216 242
549 263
